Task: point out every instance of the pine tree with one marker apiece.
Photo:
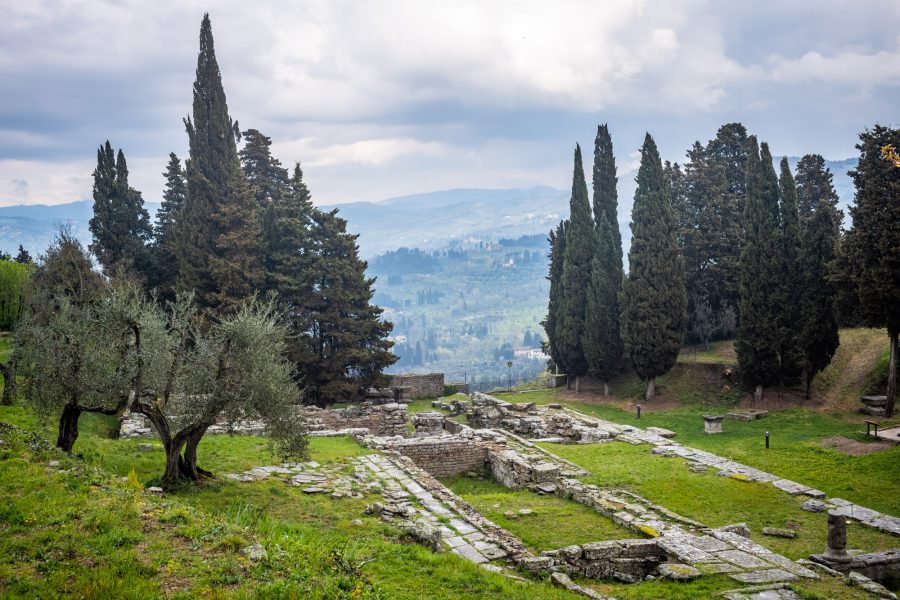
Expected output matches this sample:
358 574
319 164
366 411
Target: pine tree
602 339
757 341
872 246
165 265
576 277
270 185
120 225
23 256
654 302
342 342
814 183
819 328
790 281
218 235
557 240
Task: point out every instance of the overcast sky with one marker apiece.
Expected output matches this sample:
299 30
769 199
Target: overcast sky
383 98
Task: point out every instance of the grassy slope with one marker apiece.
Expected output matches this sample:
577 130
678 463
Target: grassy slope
86 534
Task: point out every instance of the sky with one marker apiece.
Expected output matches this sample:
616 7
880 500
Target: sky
382 98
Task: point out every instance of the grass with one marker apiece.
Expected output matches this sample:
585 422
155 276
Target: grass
713 500
553 523
84 533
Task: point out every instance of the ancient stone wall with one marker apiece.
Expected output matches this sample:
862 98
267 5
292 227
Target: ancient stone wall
384 419
444 456
420 386
624 560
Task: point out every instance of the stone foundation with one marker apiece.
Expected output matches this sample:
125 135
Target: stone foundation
444 456
625 560
383 419
420 386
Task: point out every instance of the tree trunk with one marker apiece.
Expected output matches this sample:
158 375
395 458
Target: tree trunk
809 378
606 388
757 393
9 382
173 459
68 427
577 384
651 389
892 377
188 464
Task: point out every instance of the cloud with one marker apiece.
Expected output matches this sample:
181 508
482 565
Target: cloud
19 188
400 96
849 68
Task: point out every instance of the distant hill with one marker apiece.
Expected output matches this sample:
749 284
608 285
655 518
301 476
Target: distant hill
35 225
429 221
448 218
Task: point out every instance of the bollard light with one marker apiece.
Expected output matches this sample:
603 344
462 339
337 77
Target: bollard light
767 439
638 407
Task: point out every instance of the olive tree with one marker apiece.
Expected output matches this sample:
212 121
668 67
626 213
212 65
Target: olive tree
70 364
188 375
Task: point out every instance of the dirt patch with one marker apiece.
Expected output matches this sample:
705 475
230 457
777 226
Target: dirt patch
853 447
773 400
659 403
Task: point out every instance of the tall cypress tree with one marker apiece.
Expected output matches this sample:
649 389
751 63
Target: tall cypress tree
819 328
790 282
219 242
602 339
757 341
165 270
814 183
557 241
120 225
654 302
872 246
576 277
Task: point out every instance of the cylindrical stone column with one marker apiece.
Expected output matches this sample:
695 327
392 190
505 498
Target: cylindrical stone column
837 537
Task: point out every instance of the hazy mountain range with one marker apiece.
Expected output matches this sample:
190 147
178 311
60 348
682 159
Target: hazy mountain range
429 221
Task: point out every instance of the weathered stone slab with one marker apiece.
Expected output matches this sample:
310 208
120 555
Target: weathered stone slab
471 554
665 433
764 576
741 559
791 487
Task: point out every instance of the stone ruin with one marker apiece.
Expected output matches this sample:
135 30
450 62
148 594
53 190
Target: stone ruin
498 441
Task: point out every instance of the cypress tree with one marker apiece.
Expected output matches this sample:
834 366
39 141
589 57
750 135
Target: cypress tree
790 282
814 183
728 155
165 264
576 277
872 246
606 196
757 343
602 338
819 328
654 302
557 241
120 226
342 345
219 245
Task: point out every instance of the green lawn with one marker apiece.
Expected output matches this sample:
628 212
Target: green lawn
83 534
553 523
713 500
